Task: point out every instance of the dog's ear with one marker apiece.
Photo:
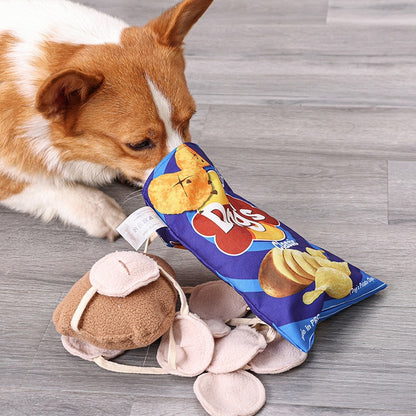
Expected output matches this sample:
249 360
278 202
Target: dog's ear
173 25
64 91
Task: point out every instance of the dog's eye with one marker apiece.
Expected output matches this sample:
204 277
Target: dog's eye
144 144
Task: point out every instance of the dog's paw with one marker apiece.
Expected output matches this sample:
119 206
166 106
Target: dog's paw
75 204
94 211
104 218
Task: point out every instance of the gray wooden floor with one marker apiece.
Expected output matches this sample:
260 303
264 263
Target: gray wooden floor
308 108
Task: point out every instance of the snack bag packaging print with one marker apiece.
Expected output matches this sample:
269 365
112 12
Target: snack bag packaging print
287 282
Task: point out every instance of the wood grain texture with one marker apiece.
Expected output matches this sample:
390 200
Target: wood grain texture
372 12
308 110
402 195
337 190
292 89
68 403
375 133
222 11
343 65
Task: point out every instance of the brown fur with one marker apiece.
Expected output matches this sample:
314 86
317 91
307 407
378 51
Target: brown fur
14 111
9 188
78 115
98 100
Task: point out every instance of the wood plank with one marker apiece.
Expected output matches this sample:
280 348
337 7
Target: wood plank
311 46
180 406
372 12
402 194
68 403
150 406
336 190
315 90
235 11
25 312
373 133
308 65
75 403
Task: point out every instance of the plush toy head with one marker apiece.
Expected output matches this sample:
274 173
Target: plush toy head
130 289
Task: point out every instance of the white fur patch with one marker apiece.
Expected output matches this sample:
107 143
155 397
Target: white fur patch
164 110
75 204
35 199
34 21
36 134
37 130
87 172
14 172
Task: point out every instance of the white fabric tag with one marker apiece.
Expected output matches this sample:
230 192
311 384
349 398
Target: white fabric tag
139 226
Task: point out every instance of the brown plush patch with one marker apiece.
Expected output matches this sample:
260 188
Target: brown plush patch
116 323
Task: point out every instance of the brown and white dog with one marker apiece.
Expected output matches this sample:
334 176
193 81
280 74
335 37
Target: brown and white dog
85 99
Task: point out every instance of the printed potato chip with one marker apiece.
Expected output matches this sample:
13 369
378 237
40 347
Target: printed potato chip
217 193
311 260
299 258
291 262
342 266
186 190
187 158
332 281
277 279
316 253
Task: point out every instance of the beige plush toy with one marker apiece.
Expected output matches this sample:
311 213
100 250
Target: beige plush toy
124 302
128 300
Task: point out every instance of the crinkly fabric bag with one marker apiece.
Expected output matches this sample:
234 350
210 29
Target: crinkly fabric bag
287 282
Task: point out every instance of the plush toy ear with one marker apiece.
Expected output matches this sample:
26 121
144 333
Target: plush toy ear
66 90
173 25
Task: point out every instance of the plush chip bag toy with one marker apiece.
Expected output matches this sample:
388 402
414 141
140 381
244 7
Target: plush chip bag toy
287 282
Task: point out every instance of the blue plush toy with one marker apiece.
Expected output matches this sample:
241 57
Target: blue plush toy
288 282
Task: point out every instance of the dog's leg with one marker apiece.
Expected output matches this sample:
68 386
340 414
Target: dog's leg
75 204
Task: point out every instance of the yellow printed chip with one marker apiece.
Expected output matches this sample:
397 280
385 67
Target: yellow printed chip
269 232
311 260
302 262
174 193
342 266
315 253
310 297
187 158
288 255
277 279
217 194
334 282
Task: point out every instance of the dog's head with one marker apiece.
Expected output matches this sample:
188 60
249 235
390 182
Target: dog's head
125 105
